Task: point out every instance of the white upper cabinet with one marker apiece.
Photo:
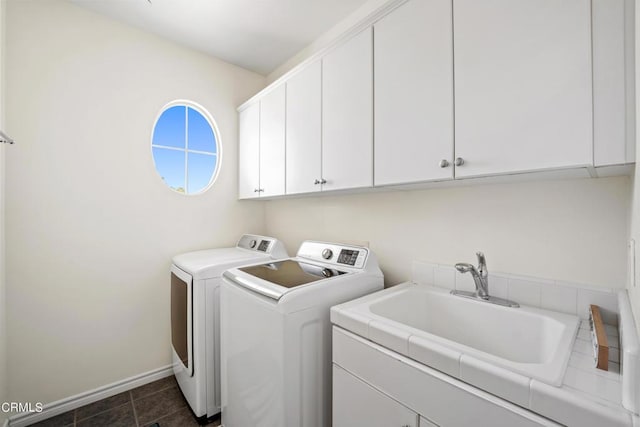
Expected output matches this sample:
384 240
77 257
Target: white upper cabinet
272 143
612 78
523 98
249 152
303 125
347 114
463 89
413 64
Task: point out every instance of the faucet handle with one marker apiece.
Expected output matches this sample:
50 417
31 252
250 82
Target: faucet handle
482 264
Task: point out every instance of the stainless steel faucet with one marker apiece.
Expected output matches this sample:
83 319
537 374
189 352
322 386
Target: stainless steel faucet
481 278
480 275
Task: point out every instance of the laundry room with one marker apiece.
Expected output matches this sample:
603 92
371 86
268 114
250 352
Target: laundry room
289 213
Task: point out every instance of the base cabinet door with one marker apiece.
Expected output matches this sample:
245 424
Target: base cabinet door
357 404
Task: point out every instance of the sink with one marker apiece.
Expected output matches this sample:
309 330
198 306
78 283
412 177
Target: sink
529 341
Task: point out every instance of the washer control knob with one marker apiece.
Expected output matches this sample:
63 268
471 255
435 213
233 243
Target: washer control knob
252 244
327 253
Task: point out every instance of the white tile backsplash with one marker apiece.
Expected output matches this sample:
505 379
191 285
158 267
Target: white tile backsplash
608 302
423 272
564 297
498 285
559 298
464 282
445 277
525 292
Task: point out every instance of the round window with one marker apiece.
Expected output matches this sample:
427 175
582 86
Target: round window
186 147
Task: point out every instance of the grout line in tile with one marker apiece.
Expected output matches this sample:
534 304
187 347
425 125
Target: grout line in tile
163 416
101 412
133 407
152 392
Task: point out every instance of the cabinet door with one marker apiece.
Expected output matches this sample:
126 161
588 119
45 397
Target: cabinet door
249 152
522 85
357 404
413 64
347 114
610 85
303 124
272 143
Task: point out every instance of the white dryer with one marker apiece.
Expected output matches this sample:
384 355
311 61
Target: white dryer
195 315
276 333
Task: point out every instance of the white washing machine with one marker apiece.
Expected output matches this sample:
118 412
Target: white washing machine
276 334
195 315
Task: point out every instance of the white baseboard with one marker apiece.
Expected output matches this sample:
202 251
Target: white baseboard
70 403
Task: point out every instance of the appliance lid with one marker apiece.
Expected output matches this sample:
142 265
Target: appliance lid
212 262
274 279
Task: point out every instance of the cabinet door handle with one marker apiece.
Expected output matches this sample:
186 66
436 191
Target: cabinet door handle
260 190
459 161
323 181
256 190
444 163
316 182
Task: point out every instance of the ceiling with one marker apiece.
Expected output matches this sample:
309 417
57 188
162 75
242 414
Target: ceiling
257 35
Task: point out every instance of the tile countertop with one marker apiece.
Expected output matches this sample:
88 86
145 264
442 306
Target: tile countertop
586 391
587 397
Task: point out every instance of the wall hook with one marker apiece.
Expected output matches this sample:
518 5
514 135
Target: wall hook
5 139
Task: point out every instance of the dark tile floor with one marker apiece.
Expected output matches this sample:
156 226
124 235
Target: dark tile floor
157 402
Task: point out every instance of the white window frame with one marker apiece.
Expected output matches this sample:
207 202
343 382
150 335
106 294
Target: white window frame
218 154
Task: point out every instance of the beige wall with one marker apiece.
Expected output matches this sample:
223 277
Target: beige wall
91 228
570 230
3 305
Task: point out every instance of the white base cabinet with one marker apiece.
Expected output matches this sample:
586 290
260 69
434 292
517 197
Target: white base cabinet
374 386
357 403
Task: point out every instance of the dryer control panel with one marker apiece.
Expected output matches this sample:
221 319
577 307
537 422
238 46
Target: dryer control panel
267 245
348 256
331 253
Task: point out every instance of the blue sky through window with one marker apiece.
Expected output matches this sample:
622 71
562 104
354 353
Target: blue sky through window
183 131
170 128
